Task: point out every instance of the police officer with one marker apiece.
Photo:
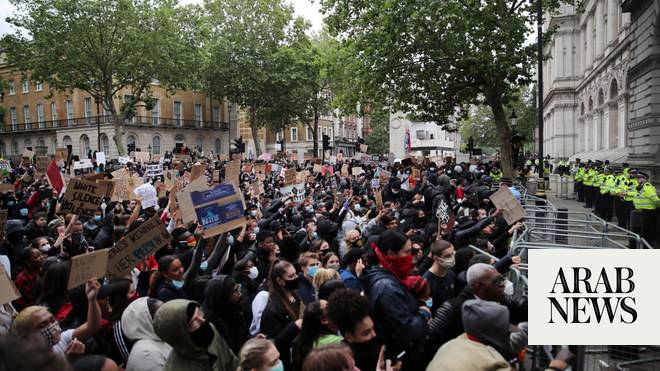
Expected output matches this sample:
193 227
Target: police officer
606 199
648 202
579 177
628 193
588 182
616 194
598 180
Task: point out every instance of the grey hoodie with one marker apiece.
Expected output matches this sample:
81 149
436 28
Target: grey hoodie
149 351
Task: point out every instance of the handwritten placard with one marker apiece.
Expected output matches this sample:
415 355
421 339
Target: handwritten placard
197 171
127 253
142 156
149 195
87 266
119 174
356 170
233 172
512 210
363 148
184 199
124 188
82 197
289 176
8 291
154 170
170 178
42 163
379 201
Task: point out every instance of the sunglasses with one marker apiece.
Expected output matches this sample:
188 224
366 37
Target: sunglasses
496 281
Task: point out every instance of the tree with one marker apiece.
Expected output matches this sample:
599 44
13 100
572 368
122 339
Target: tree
435 59
253 59
379 140
105 47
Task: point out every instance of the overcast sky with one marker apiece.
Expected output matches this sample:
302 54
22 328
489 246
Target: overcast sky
306 8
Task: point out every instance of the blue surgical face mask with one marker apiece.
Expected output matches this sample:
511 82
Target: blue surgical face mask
357 207
10 203
393 210
177 284
432 169
97 218
395 192
322 192
24 212
429 303
254 212
230 240
279 367
315 235
256 230
203 266
309 209
312 270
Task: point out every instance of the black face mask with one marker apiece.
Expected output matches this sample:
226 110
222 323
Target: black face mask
203 336
291 284
368 347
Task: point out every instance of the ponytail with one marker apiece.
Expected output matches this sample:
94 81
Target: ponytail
158 277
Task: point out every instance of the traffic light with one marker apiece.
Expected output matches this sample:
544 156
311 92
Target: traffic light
470 144
240 146
326 142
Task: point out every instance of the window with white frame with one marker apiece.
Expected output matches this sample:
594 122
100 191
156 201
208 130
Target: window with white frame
216 114
310 134
26 86
320 133
178 113
218 145
294 134
85 146
53 113
198 114
156 145
66 141
105 143
69 111
106 115
279 135
88 110
12 88
14 119
38 86
155 112
26 114
199 144
15 148
40 115
28 144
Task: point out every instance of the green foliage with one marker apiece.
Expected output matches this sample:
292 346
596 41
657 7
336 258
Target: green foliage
379 139
105 46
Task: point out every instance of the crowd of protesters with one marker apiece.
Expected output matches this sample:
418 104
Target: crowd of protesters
355 276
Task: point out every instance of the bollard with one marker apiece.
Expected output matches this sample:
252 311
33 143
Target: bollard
635 227
562 223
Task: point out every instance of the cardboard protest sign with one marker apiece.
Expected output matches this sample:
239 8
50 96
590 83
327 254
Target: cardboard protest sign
289 176
42 163
363 148
170 178
247 167
3 222
333 159
328 171
504 199
82 197
197 171
415 173
28 154
317 168
87 266
233 172
108 183
121 173
4 187
26 177
145 240
301 177
375 183
297 190
294 157
224 157
161 190
93 177
216 176
8 291
356 170
182 157
142 156
344 171
82 168
383 178
184 199
237 156
124 188
219 209
100 158
154 170
379 201
61 154
267 156
149 195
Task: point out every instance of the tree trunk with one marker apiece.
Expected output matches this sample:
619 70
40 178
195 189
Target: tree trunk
253 126
504 134
119 132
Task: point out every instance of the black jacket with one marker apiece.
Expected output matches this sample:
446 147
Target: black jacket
277 324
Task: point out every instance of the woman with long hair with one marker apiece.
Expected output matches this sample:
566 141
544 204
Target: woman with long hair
317 330
282 317
54 293
167 282
333 357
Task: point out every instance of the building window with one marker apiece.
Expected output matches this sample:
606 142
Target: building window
66 141
84 144
42 144
198 115
40 115
131 140
88 110
155 112
16 149
310 134
39 86
26 86
180 139
14 119
320 133
421 134
54 141
199 144
156 146
294 134
217 145
216 114
69 112
3 150
279 135
105 143
26 114
178 115
106 115
28 144
53 113
12 89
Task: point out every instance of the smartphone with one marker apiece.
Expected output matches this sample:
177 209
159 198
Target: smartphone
60 229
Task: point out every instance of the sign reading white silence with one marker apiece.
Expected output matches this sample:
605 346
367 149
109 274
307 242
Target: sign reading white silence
593 296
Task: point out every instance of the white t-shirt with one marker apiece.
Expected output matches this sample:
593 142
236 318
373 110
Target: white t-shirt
258 306
65 339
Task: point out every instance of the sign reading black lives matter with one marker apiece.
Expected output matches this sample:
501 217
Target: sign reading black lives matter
145 240
593 296
297 190
82 197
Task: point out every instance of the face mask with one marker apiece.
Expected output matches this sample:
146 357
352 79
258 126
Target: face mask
508 287
407 172
204 265
358 243
177 284
334 266
482 171
24 212
357 207
429 303
322 192
52 334
203 336
97 218
395 192
230 240
315 235
365 347
448 263
393 210
45 248
254 212
312 270
309 209
291 284
256 230
279 367
77 237
432 169
10 203
254 273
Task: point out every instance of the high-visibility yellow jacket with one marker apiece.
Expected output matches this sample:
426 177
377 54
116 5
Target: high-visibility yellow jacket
588 179
579 174
619 185
496 177
598 180
630 189
646 198
608 184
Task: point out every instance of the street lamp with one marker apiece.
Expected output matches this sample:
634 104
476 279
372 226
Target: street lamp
97 87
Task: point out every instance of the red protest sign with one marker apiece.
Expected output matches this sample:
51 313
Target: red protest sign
55 176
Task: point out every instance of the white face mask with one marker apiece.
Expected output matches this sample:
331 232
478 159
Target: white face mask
254 273
508 287
45 248
447 263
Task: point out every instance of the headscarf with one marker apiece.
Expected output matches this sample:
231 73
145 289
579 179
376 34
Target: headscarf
226 317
